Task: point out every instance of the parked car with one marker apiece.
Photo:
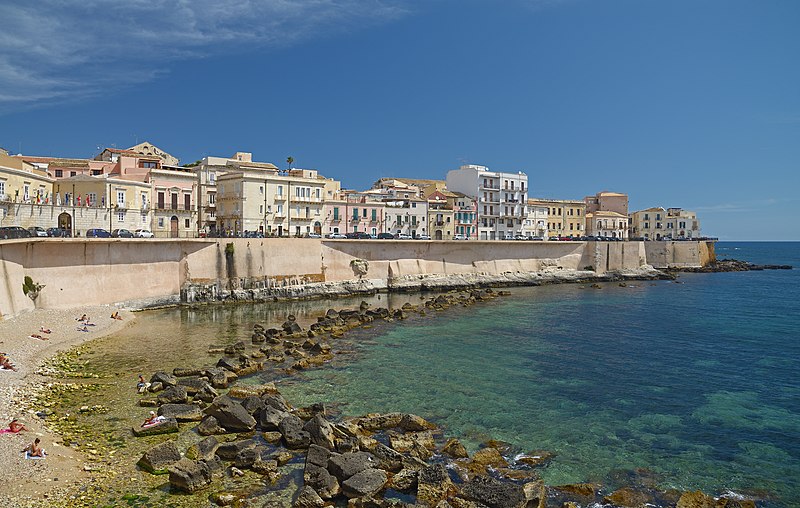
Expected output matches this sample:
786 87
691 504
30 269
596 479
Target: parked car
336 236
423 237
10 232
37 231
460 237
402 236
59 232
121 233
97 233
385 236
358 235
143 233
520 237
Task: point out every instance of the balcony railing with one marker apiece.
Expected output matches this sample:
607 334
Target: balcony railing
180 207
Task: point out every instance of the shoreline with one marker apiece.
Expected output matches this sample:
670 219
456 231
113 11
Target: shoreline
31 482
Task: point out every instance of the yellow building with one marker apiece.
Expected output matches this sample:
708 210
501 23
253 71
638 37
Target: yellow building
565 217
664 224
441 215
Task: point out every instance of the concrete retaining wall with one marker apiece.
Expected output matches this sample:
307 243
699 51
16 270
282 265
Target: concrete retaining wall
153 271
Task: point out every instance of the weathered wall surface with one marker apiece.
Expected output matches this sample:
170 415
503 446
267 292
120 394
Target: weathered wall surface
153 271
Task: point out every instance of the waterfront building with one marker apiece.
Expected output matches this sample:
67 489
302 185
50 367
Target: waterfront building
502 199
407 216
536 223
465 212
565 217
441 216
26 194
358 212
658 224
258 197
603 213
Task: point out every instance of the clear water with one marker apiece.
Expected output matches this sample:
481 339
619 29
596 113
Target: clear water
697 382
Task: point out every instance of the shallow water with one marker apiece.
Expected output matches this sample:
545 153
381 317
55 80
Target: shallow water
697 383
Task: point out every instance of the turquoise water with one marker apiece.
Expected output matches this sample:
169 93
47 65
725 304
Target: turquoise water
698 383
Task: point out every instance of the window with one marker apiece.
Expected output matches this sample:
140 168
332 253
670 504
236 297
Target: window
121 199
161 222
96 172
335 213
187 201
121 217
161 200
261 189
144 218
26 192
144 200
261 209
413 205
91 199
186 223
148 164
364 213
280 190
355 213
174 199
318 193
72 173
59 173
280 209
212 177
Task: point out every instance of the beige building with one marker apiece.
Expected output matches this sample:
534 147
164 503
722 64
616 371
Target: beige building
26 194
536 224
441 215
258 197
148 149
664 224
565 217
603 213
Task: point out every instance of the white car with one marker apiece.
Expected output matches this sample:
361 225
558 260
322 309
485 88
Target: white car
460 237
402 236
143 233
423 237
336 236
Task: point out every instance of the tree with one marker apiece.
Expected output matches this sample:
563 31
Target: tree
290 161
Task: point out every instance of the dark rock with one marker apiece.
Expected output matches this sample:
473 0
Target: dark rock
434 485
318 456
209 427
317 476
404 480
581 489
173 395
249 456
321 432
347 464
228 364
204 449
231 415
536 458
164 378
494 493
193 384
253 405
168 426
190 476
148 402
207 394
181 412
291 327
231 449
271 418
293 433
277 401
390 460
158 458
696 499
364 483
265 465
308 498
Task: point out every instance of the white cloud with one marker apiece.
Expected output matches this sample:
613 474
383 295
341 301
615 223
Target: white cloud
54 50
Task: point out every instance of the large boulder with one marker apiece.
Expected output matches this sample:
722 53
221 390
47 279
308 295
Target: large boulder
494 493
193 384
364 483
271 418
277 401
434 485
253 405
291 327
231 449
630 498
381 421
204 449
189 475
181 412
164 378
293 433
210 427
173 395
158 458
231 415
347 464
455 449
167 426
414 423
206 394
308 498
317 476
321 432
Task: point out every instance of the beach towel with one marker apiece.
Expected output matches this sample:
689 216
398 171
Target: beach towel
158 421
28 456
7 431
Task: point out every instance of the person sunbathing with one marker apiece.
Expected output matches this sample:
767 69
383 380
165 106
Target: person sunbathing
116 316
83 329
83 318
153 419
5 363
34 450
15 426
37 336
44 330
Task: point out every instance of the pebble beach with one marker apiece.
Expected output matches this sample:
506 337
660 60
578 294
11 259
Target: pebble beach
41 482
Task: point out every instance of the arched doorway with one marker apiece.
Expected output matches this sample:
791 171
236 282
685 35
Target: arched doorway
317 228
437 235
173 227
65 222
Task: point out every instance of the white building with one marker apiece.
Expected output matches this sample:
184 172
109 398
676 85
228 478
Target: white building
535 225
502 199
407 216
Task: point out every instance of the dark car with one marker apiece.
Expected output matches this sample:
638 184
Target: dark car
10 232
58 233
385 236
97 233
358 235
121 233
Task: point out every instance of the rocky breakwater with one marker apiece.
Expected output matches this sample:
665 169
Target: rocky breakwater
731 265
245 431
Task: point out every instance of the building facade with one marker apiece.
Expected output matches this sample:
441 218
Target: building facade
565 217
607 215
664 224
536 224
441 216
501 198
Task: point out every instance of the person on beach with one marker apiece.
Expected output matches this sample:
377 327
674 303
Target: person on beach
37 336
142 385
116 316
5 363
83 329
15 426
44 330
34 449
84 318
153 419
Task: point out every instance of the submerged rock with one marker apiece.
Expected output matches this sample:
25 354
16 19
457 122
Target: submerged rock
158 458
493 493
189 475
364 483
181 412
231 415
204 449
434 485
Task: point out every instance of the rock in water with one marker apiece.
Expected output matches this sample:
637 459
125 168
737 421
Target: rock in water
204 449
173 395
434 485
209 427
365 483
347 464
321 432
455 449
158 458
181 412
630 498
291 428
189 475
695 499
494 493
308 498
231 415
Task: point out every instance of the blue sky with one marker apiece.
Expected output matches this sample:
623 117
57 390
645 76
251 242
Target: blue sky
692 103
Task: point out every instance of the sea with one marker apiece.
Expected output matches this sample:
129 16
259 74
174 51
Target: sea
686 384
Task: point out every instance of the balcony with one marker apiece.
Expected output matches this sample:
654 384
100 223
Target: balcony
306 199
174 207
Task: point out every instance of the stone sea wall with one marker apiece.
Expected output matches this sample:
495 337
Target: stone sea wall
141 273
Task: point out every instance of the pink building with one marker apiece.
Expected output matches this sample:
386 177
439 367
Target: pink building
352 212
